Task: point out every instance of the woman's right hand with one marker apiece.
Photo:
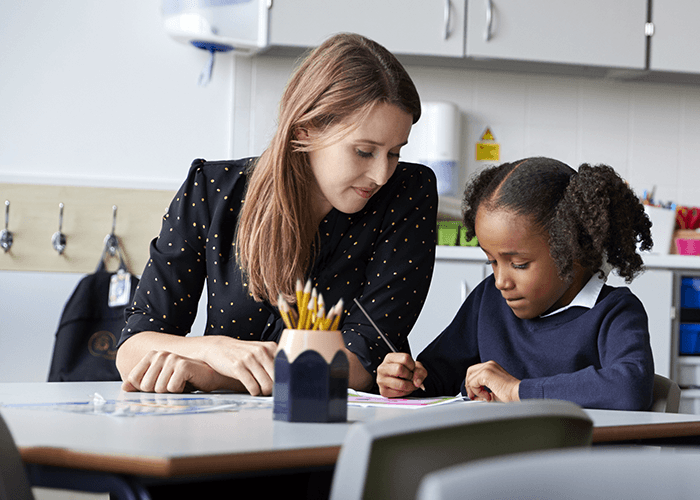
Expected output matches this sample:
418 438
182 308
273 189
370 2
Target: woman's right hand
399 375
250 362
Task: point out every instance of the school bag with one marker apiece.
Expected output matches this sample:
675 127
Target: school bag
85 348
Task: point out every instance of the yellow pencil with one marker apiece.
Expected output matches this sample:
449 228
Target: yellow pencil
302 306
320 318
299 291
308 319
320 306
328 321
284 311
338 313
293 317
314 300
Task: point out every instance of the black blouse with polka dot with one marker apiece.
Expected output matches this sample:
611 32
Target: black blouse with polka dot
382 255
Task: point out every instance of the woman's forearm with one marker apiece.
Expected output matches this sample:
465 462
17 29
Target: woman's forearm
204 348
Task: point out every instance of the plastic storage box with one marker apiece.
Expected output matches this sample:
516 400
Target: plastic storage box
690 339
690 293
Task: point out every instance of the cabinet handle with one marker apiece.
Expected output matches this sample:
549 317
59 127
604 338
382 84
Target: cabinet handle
464 290
448 19
489 20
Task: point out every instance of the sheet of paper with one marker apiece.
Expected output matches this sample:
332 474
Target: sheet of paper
357 398
140 404
148 404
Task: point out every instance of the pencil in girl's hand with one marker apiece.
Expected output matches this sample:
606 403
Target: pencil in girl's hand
381 334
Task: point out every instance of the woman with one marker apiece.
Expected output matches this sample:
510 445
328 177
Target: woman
327 201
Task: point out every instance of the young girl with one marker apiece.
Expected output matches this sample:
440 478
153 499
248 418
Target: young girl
327 201
544 325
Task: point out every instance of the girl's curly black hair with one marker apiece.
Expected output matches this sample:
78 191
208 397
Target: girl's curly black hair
590 216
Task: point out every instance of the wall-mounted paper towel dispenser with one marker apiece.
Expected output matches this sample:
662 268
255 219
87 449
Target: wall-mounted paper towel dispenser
240 25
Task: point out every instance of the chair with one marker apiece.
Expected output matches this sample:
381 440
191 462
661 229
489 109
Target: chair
14 484
387 458
16 481
667 395
575 474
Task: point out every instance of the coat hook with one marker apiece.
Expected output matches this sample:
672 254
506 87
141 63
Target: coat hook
111 241
5 234
58 240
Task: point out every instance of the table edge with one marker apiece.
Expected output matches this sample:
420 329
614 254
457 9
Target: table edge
631 432
226 463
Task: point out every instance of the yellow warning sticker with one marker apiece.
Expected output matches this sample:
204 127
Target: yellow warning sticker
488 136
487 151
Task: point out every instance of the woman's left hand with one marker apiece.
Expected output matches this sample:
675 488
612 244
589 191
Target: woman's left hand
490 382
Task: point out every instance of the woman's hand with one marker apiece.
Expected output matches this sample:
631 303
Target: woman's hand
399 375
156 362
490 382
250 362
161 371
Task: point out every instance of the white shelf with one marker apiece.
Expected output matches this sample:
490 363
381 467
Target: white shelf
651 261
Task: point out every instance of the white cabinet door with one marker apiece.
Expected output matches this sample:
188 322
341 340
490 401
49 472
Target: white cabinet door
420 27
593 32
674 45
452 281
655 289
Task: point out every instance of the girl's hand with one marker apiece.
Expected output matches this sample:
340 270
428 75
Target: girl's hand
161 371
490 376
399 375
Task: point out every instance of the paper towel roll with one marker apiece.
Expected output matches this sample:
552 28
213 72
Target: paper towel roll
435 141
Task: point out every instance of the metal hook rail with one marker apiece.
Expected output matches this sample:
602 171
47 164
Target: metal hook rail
6 234
111 240
58 240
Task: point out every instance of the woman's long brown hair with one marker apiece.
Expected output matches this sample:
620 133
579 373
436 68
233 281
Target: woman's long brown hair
344 76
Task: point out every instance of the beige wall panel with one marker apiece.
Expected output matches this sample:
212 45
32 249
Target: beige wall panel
87 221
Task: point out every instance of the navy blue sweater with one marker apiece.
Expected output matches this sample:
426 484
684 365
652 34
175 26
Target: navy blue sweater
597 358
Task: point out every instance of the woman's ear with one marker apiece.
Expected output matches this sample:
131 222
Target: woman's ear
301 134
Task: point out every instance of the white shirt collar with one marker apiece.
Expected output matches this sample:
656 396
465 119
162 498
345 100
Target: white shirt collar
587 297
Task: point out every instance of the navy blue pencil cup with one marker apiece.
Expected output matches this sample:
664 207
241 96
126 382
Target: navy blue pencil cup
311 377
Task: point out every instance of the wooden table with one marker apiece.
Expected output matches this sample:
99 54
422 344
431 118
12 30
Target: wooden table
222 443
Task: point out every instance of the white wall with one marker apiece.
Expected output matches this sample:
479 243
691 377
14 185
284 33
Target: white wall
650 133
94 93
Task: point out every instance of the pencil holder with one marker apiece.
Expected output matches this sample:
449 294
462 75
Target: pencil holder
311 377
